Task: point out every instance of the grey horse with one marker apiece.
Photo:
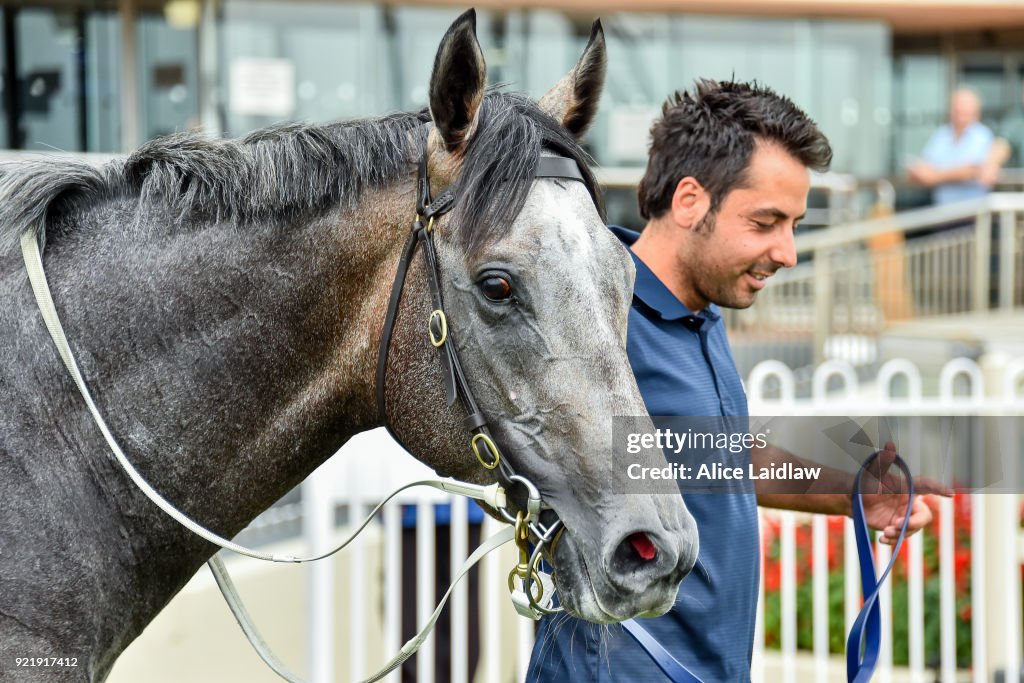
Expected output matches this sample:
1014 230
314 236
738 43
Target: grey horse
225 300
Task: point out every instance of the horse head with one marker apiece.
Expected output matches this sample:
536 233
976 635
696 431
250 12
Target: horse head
536 294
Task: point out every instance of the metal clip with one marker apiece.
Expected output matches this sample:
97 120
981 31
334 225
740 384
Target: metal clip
532 591
543 597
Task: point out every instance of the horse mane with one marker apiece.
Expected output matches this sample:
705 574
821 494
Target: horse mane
285 172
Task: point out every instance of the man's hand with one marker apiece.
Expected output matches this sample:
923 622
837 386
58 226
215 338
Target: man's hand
924 174
885 498
994 162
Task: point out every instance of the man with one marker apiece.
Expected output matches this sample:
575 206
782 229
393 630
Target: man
725 186
962 158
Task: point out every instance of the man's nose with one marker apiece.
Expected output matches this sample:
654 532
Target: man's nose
784 250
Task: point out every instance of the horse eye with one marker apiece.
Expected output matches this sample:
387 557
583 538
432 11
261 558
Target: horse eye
496 288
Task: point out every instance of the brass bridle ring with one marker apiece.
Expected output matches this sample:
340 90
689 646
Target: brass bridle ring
490 446
439 339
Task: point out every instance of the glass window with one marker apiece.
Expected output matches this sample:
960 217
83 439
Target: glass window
49 97
920 102
306 61
60 67
168 78
852 94
103 76
991 76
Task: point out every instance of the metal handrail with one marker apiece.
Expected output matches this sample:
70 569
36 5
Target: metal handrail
908 221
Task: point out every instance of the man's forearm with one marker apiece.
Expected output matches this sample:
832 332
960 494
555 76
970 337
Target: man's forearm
776 494
929 176
959 174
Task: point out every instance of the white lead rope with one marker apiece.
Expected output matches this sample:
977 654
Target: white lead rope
227 587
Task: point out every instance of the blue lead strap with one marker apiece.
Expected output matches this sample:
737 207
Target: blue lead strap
665 661
866 632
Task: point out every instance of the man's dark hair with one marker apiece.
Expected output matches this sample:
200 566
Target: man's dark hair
710 135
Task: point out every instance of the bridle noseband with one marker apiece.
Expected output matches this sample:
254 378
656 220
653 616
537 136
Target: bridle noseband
519 489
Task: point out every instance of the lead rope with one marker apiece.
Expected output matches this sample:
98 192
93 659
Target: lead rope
867 627
866 631
227 587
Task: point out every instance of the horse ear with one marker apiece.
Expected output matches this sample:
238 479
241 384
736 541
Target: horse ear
574 99
458 81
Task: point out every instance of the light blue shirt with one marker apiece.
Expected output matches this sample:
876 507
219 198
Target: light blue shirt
944 151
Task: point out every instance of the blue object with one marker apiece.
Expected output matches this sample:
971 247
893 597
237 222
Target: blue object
443 514
665 661
683 366
944 150
867 627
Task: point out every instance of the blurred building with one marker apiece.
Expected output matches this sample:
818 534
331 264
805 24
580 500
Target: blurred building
85 75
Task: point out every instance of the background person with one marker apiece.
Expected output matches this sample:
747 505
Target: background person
962 159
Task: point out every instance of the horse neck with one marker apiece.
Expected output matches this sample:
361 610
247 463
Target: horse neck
228 362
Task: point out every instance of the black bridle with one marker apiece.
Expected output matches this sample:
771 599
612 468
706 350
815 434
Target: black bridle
454 377
520 490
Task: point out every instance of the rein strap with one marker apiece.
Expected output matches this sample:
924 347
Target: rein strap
453 376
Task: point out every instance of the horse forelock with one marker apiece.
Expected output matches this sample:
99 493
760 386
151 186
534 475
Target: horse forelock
288 171
500 163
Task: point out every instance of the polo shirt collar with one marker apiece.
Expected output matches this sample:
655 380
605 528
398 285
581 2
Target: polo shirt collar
653 292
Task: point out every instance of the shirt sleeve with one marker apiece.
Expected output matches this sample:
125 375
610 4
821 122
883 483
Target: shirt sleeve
978 145
932 152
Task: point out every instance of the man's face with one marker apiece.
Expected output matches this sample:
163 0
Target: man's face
964 109
728 260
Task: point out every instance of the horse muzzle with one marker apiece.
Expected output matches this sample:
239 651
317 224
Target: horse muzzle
633 569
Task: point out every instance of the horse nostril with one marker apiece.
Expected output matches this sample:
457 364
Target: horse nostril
644 547
635 553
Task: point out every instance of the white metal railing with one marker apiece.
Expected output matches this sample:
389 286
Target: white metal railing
375 464
992 389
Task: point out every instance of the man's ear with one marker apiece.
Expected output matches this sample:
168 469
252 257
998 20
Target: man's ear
690 203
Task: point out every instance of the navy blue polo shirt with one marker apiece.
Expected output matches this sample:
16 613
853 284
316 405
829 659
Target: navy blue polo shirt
683 366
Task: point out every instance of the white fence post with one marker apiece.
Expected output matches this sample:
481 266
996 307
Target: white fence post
318 524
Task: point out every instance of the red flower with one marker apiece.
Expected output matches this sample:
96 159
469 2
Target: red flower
962 568
772 577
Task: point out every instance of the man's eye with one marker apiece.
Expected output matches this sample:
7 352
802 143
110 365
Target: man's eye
496 288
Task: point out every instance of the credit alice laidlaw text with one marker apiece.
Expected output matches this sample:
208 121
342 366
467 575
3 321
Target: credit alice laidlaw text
718 471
